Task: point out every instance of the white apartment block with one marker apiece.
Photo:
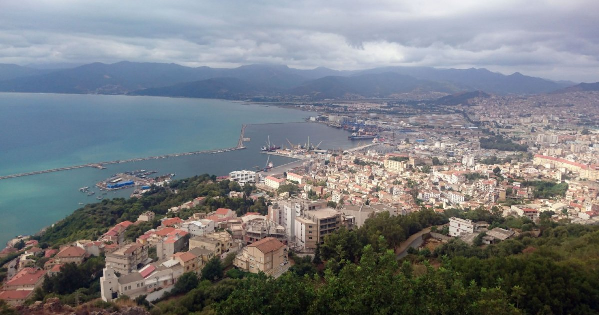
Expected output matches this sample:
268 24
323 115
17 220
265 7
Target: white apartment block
459 226
243 177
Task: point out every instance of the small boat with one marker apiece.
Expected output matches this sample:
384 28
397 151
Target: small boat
91 193
99 197
81 203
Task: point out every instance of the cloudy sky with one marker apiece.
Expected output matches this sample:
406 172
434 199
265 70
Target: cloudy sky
556 39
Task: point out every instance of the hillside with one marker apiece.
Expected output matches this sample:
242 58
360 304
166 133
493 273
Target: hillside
367 85
255 80
582 87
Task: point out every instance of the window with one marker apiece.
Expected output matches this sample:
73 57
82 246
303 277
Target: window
310 237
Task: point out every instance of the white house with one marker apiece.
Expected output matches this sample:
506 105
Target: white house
198 228
459 226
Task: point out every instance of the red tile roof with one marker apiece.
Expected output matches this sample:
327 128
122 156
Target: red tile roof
15 294
146 271
185 256
171 221
27 276
222 211
71 251
267 245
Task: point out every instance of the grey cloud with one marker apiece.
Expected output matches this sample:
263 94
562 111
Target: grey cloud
554 39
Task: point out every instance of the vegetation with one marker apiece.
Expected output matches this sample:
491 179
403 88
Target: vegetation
502 144
213 269
547 189
91 221
398 158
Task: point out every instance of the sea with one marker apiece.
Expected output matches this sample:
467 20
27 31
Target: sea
46 131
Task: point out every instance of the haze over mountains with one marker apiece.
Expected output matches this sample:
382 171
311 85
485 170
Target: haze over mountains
160 79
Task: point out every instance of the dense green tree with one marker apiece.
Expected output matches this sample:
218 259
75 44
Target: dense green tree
213 270
187 282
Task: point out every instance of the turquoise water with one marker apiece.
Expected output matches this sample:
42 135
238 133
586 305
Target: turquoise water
43 131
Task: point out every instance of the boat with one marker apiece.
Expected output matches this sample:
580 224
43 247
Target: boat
269 147
84 189
81 203
91 193
356 136
99 197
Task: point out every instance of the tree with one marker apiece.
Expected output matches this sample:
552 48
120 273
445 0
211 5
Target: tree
213 269
436 161
585 131
187 282
496 170
332 204
20 244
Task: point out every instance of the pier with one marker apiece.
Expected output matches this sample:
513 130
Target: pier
100 165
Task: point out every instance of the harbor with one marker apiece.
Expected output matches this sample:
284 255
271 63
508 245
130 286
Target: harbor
102 165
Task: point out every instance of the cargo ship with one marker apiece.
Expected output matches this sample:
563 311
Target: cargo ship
356 136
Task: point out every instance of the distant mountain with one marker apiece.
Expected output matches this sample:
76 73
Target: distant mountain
478 79
319 83
366 85
223 88
462 98
582 87
9 71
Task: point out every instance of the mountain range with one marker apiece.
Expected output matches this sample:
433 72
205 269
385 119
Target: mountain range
161 79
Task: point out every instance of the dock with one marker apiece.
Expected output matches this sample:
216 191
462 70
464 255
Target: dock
101 165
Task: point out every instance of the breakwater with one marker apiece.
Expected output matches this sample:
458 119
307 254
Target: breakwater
100 165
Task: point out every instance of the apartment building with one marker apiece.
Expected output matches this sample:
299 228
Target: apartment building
127 258
313 225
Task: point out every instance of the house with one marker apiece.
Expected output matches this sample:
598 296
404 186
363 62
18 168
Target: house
15 297
273 182
171 222
26 279
69 254
174 242
147 216
198 227
117 233
497 234
188 261
266 255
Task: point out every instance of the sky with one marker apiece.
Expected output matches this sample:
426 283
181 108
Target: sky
554 39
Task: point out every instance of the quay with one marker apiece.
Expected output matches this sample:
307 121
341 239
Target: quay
100 165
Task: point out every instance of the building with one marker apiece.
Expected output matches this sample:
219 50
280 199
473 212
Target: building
273 182
147 216
292 177
394 164
459 226
313 225
243 177
362 212
20 287
199 227
116 234
266 255
127 258
174 242
71 254
283 213
189 261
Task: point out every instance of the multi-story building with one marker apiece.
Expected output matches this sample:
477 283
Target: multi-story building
273 182
459 226
284 213
266 255
313 225
243 177
127 258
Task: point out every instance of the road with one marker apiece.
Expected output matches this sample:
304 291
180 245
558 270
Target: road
413 241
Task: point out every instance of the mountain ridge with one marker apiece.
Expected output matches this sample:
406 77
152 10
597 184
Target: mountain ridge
127 77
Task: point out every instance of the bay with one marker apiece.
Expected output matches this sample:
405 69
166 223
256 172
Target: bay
43 131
